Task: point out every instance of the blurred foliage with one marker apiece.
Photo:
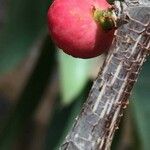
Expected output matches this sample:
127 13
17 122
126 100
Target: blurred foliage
24 26
25 22
30 97
74 74
64 117
141 102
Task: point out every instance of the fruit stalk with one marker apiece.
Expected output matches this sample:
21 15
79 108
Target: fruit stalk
96 124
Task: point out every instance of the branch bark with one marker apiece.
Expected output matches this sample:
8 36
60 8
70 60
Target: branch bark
96 124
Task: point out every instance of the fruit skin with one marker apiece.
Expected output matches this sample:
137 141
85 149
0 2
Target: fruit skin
74 30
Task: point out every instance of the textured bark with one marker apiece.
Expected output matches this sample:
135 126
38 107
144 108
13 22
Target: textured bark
95 126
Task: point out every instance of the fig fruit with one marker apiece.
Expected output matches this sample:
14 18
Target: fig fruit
81 28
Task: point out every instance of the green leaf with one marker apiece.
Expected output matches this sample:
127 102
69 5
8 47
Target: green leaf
30 97
141 103
74 74
25 22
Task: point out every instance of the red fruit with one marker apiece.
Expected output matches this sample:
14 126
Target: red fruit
74 29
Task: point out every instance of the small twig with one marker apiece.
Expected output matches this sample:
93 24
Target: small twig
95 126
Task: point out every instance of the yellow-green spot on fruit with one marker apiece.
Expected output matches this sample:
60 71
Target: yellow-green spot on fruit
104 18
